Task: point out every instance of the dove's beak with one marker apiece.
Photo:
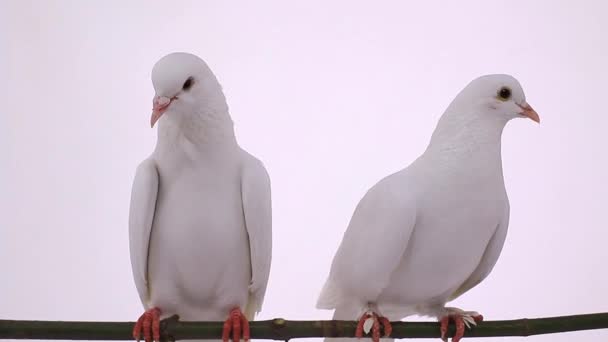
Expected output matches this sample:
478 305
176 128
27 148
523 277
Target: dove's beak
528 111
159 106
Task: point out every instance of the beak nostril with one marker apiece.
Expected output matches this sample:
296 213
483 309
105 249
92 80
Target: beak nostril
161 101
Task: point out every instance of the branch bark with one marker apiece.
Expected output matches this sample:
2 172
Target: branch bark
281 329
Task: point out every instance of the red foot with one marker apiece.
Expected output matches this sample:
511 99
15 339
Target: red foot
388 329
460 324
149 324
235 321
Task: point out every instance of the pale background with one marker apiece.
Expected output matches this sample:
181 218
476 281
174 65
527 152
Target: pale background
332 97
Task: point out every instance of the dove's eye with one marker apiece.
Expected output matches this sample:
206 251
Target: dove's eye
188 84
504 94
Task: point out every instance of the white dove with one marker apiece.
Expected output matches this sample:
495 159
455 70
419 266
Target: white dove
427 234
200 231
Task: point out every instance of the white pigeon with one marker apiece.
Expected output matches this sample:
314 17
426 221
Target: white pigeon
427 234
200 231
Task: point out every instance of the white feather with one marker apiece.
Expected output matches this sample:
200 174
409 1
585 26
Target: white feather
434 230
200 220
258 220
141 214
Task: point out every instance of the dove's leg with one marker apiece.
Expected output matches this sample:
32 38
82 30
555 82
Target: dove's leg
461 319
375 320
149 324
237 322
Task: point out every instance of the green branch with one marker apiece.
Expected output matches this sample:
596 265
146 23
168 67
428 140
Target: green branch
280 329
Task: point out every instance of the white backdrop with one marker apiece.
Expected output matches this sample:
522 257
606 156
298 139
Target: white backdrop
332 97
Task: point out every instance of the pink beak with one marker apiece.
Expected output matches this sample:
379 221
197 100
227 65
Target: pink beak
529 112
159 106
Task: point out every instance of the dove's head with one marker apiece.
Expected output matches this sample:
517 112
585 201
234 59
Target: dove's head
493 97
186 89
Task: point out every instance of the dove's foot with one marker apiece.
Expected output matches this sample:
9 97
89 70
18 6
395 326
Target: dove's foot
236 322
371 321
461 319
149 325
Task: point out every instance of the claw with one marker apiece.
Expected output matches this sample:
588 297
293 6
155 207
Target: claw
461 320
445 320
359 330
376 331
226 330
376 321
388 328
237 323
149 325
246 331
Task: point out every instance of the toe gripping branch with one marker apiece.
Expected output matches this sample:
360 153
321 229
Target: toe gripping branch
237 323
460 321
375 320
149 325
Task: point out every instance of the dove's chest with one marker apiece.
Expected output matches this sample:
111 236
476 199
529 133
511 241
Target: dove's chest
461 207
199 231
456 217
202 201
464 206
463 194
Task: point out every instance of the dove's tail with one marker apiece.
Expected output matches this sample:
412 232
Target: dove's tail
329 297
350 313
252 307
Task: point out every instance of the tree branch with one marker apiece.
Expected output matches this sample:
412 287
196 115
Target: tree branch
280 329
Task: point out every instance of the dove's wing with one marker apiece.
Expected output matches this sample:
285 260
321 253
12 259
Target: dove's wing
489 258
255 187
141 215
373 244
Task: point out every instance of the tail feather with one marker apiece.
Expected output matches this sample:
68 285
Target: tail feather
252 307
329 297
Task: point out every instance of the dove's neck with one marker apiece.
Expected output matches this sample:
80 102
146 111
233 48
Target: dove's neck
212 130
472 141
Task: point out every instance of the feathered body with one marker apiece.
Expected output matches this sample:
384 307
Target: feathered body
430 232
200 217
